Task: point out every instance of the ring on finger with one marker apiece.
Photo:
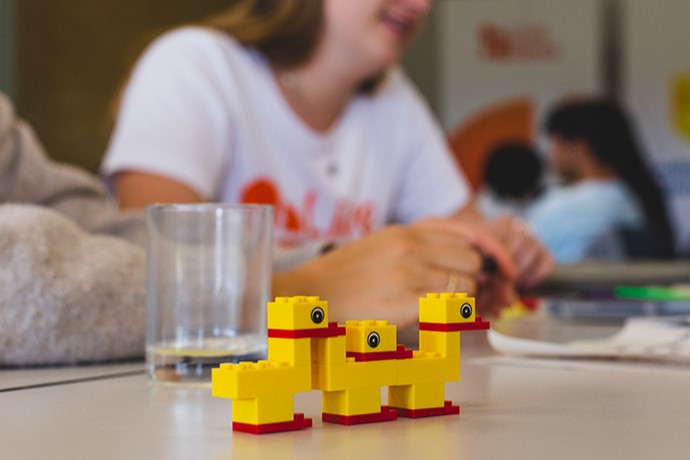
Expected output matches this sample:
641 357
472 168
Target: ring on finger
453 279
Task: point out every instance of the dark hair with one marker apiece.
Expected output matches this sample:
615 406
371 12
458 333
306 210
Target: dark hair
603 124
514 170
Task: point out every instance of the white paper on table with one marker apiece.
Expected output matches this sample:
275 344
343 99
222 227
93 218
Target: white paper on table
657 339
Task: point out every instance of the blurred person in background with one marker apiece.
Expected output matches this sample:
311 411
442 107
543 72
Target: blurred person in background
608 203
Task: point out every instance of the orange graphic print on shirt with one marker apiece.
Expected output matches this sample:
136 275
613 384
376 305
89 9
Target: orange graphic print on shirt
297 223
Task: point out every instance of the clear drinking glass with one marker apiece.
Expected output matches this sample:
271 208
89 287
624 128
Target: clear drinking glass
208 281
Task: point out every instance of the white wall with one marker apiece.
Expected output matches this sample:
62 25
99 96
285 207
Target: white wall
469 80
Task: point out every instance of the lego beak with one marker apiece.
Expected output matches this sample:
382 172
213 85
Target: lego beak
478 325
333 330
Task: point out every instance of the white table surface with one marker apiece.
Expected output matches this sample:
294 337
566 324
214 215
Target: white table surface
510 408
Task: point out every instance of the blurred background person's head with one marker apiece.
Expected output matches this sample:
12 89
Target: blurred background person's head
512 178
514 171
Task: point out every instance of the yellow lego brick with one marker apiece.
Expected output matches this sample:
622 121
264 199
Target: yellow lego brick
249 380
446 308
353 374
294 351
272 408
370 336
354 401
680 103
297 313
426 368
417 396
328 351
445 343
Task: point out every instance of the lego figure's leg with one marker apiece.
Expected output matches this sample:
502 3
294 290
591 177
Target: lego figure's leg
355 406
420 400
267 414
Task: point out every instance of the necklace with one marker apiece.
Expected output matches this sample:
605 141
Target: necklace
322 116
304 109
296 97
288 79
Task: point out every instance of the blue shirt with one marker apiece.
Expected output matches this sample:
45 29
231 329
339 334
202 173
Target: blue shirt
570 219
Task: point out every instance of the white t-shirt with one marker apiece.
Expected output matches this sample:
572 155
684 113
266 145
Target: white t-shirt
204 110
570 219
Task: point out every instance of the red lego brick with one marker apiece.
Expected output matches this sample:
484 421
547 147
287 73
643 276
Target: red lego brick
387 414
478 325
297 424
333 330
400 353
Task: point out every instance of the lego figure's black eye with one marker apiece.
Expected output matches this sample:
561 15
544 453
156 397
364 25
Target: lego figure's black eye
317 315
374 339
466 310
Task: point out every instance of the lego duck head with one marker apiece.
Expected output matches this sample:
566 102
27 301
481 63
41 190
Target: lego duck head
449 311
373 341
297 317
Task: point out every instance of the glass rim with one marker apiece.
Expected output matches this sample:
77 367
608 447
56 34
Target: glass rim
206 207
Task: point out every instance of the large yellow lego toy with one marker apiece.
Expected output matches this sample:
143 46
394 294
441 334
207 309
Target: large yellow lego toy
348 364
263 392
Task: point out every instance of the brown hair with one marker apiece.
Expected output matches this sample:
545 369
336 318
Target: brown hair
285 31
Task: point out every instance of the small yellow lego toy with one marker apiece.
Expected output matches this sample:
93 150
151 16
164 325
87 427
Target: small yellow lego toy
349 364
351 387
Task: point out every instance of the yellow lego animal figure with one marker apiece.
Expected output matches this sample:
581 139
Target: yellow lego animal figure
349 364
263 392
419 389
351 369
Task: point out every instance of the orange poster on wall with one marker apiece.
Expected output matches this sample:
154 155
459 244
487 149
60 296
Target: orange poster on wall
504 62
